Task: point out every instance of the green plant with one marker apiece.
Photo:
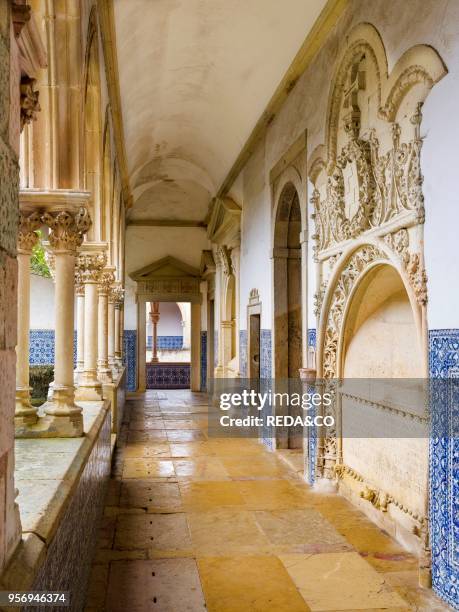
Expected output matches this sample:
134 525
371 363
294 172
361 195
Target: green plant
38 263
39 378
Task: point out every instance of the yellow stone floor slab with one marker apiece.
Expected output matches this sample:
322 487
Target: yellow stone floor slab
195 523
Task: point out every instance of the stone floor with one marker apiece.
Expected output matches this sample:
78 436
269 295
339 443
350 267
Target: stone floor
223 525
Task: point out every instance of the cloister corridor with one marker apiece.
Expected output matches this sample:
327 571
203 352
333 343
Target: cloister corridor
193 523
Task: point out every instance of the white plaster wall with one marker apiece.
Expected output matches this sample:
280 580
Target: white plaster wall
170 320
401 25
145 245
41 302
256 249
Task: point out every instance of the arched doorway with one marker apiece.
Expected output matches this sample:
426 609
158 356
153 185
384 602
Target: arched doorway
287 299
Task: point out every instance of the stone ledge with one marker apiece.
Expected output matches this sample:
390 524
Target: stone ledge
47 474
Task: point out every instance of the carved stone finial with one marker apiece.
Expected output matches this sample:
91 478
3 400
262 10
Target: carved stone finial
67 228
29 223
30 105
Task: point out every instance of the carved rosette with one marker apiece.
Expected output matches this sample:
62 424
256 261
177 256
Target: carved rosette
67 228
29 223
91 266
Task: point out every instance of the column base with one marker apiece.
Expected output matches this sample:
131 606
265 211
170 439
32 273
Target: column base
325 485
53 426
105 375
25 414
89 388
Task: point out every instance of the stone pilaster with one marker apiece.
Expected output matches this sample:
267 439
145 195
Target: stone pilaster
91 263
25 414
67 228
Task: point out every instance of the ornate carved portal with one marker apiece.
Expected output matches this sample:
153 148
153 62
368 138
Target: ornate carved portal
368 211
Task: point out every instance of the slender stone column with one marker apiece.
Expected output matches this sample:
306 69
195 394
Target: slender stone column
119 298
106 280
195 381
66 235
111 329
79 292
154 316
25 414
91 263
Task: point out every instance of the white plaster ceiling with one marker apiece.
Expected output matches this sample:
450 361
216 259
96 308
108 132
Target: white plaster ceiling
195 76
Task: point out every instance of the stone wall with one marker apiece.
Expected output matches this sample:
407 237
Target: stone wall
9 140
68 560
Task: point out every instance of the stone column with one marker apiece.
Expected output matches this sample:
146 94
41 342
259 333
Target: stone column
79 292
119 298
106 280
25 414
111 329
91 262
154 316
141 345
66 234
195 347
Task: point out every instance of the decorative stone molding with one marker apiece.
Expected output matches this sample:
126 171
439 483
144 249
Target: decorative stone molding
30 106
318 299
357 263
363 180
117 296
224 259
378 498
399 242
29 223
254 297
67 228
20 15
418 278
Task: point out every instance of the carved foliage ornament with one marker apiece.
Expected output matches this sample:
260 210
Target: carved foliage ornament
90 266
117 295
365 188
67 228
106 280
29 101
29 223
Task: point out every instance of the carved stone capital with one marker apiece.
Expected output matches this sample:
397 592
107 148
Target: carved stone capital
67 228
79 284
118 296
90 266
106 280
29 223
30 105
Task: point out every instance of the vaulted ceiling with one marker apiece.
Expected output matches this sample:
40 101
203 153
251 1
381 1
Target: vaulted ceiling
195 76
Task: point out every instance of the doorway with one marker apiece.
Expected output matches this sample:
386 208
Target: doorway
288 332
